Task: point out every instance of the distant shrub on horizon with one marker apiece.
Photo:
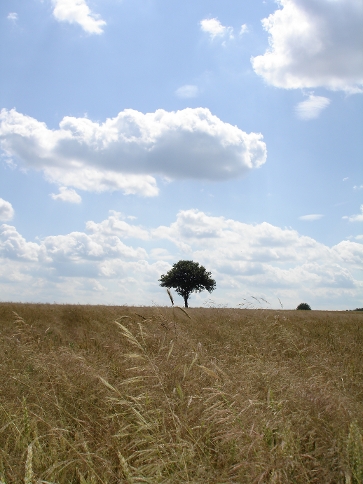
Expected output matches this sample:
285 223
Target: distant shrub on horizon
304 306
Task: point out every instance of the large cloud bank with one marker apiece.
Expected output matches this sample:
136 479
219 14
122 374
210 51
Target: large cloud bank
128 151
314 43
115 261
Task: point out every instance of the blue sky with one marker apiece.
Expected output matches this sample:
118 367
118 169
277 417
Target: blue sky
137 133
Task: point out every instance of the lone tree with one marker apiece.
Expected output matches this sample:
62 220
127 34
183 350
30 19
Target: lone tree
186 277
303 306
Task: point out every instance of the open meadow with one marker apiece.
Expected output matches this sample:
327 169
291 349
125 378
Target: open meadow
117 394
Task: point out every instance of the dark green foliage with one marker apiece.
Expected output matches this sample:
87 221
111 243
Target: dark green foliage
186 277
303 306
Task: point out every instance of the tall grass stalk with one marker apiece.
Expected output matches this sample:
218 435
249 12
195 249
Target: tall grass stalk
28 479
355 453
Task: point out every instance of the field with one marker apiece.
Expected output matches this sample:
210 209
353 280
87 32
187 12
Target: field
101 394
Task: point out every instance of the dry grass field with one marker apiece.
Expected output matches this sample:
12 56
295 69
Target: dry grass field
101 394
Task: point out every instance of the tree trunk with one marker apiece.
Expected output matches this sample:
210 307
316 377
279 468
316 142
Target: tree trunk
186 301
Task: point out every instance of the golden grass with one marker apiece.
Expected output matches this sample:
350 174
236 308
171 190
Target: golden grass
100 394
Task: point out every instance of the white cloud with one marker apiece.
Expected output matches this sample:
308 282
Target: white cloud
77 11
187 91
312 44
244 29
225 239
126 152
356 187
355 218
350 252
6 210
311 217
14 246
115 225
256 258
80 247
312 107
67 195
346 178
13 16
214 28
98 266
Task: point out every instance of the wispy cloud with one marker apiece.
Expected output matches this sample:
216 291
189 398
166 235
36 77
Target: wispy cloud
311 217
312 107
187 91
214 28
77 11
12 16
244 29
67 195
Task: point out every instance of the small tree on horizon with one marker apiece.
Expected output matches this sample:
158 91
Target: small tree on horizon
187 276
303 306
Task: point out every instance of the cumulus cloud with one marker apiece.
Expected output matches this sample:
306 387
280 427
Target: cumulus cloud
350 252
128 151
74 266
77 11
314 44
14 246
67 195
264 257
187 91
214 28
6 210
355 218
229 240
311 217
98 243
115 224
80 247
312 107
126 260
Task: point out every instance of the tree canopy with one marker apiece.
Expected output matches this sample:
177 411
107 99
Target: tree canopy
304 306
187 276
